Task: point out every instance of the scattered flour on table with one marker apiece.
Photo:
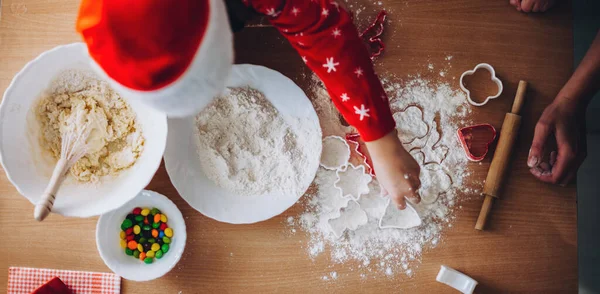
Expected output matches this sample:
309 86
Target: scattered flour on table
372 251
246 146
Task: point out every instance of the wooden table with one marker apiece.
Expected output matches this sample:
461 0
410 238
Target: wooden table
530 245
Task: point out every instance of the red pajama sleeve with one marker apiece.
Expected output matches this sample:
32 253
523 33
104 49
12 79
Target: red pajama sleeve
323 34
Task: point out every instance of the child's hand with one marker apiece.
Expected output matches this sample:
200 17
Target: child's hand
565 120
532 5
397 171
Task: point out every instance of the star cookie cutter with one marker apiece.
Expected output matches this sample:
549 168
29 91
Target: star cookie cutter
494 79
361 183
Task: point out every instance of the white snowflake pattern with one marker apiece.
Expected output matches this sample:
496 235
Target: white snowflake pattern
272 12
362 111
295 11
331 64
336 33
334 3
358 72
325 12
304 59
300 43
345 97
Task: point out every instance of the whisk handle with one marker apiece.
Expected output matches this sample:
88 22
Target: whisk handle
44 206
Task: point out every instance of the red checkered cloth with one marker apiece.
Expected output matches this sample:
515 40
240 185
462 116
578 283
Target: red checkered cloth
24 280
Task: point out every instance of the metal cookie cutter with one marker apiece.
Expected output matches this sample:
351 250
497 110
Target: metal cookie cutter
494 79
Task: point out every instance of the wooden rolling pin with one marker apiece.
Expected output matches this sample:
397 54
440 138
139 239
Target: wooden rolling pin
497 171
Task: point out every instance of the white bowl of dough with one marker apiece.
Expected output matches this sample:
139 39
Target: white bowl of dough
106 181
251 153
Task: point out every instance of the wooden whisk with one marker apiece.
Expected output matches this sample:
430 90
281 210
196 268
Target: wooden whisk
73 147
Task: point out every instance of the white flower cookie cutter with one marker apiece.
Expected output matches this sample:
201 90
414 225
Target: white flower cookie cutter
456 280
335 154
494 79
356 184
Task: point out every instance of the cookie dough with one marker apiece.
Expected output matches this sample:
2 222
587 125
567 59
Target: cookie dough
76 97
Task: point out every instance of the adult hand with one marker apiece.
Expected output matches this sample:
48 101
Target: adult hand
564 122
397 171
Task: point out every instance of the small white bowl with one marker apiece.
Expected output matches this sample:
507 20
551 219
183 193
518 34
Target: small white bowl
128 267
29 170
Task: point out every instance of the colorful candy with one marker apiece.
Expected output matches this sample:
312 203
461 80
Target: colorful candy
155 247
145 234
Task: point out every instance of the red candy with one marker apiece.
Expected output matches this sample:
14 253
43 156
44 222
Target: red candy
129 237
163 226
129 231
137 211
146 221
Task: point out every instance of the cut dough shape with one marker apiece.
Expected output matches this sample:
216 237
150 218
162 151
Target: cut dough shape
456 280
352 181
332 205
373 203
394 218
437 152
434 179
336 153
410 124
350 218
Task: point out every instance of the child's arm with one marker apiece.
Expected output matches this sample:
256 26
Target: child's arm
324 35
565 118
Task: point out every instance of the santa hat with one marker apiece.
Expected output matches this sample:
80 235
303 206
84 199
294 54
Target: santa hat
172 55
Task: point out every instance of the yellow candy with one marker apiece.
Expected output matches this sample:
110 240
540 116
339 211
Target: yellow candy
140 247
155 247
123 244
145 212
122 235
150 254
163 218
136 229
169 232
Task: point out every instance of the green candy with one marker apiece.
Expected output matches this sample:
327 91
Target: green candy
156 225
154 211
127 223
167 240
128 251
136 253
165 248
148 260
158 254
151 240
142 240
139 218
146 228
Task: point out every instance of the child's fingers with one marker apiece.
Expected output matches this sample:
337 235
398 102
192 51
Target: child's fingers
399 200
540 136
527 5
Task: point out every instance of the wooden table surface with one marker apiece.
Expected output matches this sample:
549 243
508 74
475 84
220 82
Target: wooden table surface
531 242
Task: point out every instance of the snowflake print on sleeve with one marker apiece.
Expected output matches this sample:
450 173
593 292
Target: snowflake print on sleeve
324 35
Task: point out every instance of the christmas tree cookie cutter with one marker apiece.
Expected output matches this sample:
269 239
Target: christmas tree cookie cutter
494 79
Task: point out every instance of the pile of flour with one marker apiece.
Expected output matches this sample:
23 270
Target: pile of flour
369 250
247 147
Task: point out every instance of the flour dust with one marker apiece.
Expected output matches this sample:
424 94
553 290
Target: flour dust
369 250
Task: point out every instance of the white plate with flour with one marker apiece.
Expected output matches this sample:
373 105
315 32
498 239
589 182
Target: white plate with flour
197 160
